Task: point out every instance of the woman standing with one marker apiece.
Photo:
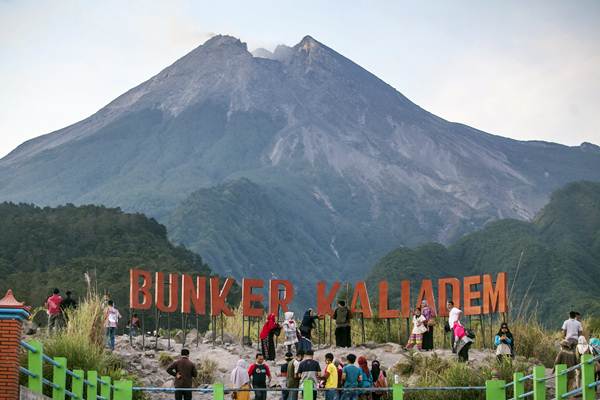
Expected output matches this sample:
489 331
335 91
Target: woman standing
290 331
267 337
462 342
419 327
505 343
308 324
366 381
379 380
429 315
240 380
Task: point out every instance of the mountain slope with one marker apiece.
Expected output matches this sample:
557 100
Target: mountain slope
43 248
560 256
354 166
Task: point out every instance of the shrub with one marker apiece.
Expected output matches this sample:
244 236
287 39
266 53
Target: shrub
206 371
532 341
165 359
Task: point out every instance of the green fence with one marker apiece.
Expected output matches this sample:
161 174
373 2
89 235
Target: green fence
88 385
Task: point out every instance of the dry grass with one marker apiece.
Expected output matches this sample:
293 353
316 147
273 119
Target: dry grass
207 369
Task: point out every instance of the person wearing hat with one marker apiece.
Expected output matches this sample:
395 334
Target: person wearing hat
283 375
567 356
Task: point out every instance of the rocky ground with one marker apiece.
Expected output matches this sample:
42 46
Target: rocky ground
144 361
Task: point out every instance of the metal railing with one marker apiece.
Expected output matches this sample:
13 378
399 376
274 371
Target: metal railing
90 386
82 384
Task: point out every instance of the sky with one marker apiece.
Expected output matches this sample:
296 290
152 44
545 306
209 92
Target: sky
528 70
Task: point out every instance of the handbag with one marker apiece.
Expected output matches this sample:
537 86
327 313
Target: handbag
503 349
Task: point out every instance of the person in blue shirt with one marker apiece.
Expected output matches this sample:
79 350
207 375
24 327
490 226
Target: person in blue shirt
350 378
505 343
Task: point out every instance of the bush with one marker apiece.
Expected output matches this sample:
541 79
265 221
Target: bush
206 371
532 341
165 359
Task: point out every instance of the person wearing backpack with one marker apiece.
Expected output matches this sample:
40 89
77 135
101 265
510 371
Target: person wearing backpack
379 381
293 382
111 321
365 381
54 311
343 330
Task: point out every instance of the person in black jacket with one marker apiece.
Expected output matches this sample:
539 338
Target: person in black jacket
308 324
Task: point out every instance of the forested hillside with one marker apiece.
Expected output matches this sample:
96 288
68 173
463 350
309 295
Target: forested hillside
559 253
43 248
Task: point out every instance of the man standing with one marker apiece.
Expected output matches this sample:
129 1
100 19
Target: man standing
572 329
343 332
111 321
260 375
309 370
454 314
351 378
292 381
184 372
53 309
331 378
283 374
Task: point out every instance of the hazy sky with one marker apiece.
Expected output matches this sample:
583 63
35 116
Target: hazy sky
523 69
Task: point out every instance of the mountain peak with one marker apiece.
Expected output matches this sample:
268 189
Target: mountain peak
225 41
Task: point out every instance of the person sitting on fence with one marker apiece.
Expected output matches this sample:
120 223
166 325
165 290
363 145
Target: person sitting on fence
290 331
419 328
240 380
366 381
184 372
308 324
293 382
54 311
267 337
379 380
462 342
260 375
567 356
572 328
504 342
350 378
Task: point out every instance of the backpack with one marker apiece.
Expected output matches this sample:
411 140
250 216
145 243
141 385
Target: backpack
113 317
342 315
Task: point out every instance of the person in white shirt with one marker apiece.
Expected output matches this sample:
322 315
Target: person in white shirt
454 314
111 321
572 328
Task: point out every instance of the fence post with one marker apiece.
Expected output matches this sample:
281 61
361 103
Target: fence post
35 364
123 390
587 377
105 387
307 390
77 384
518 386
539 385
397 392
92 389
59 378
219 391
560 381
495 390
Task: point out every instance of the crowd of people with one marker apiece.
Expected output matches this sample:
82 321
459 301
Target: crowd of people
338 378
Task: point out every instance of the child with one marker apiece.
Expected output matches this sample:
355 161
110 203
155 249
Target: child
419 328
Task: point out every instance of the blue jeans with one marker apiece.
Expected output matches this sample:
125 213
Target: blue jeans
110 334
331 394
349 395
